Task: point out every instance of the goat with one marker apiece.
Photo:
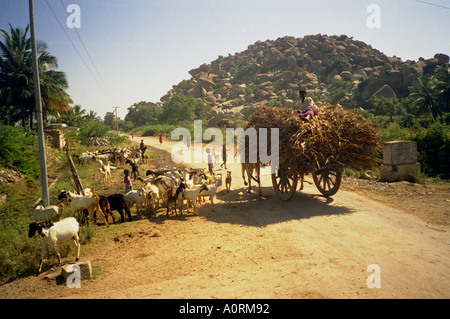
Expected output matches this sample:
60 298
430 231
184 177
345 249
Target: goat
152 196
228 181
137 197
105 170
163 187
84 159
114 202
147 180
118 202
106 208
212 190
50 213
79 203
156 174
56 233
171 199
134 168
190 195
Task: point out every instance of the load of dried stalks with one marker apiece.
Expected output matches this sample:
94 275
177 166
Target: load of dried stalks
335 136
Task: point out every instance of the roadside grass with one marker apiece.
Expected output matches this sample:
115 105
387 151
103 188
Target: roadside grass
20 255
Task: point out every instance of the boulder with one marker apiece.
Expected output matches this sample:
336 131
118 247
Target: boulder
273 56
385 91
442 58
85 270
236 90
346 75
209 99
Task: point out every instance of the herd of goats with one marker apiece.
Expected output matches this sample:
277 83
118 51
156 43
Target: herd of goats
171 188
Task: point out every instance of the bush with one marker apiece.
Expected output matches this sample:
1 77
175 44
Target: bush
19 149
433 144
339 63
157 129
90 129
19 254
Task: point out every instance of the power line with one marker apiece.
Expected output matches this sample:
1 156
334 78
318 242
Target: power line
76 50
433 4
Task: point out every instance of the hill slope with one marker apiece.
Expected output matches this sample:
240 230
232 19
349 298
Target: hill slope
276 70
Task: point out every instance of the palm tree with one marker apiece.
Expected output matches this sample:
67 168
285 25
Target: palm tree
424 97
16 78
91 116
442 75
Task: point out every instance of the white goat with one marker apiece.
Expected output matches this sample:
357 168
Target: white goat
138 197
105 170
191 196
212 190
55 233
50 213
152 191
78 203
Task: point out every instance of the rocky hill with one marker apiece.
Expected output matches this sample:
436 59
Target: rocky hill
276 70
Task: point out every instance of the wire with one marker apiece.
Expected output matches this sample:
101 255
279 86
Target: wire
89 56
433 4
78 52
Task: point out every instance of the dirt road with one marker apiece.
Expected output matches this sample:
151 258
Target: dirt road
261 247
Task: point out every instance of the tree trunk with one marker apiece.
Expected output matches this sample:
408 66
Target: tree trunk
76 179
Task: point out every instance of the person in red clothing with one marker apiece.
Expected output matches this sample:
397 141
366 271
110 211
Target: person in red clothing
160 138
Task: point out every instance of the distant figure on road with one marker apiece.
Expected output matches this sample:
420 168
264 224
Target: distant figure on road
188 142
160 138
224 156
210 161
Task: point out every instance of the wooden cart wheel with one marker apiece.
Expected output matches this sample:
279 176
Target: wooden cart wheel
327 181
284 184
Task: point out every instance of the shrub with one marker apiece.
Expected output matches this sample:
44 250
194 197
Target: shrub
157 129
19 149
90 129
339 63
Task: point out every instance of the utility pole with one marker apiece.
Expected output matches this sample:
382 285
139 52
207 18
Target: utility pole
37 95
117 122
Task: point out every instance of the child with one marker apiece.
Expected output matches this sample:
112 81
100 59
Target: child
127 181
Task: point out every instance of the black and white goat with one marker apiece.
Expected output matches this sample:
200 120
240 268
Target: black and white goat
54 234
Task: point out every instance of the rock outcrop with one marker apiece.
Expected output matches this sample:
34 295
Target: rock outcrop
276 70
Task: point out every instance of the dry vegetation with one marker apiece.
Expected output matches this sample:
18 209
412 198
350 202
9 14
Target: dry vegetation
334 136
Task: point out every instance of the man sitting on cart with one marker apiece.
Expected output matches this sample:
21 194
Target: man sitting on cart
307 107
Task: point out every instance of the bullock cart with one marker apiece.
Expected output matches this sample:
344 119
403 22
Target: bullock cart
332 140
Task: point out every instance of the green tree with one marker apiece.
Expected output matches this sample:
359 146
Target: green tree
387 106
339 63
425 98
92 115
143 113
110 119
74 116
179 108
442 86
16 79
